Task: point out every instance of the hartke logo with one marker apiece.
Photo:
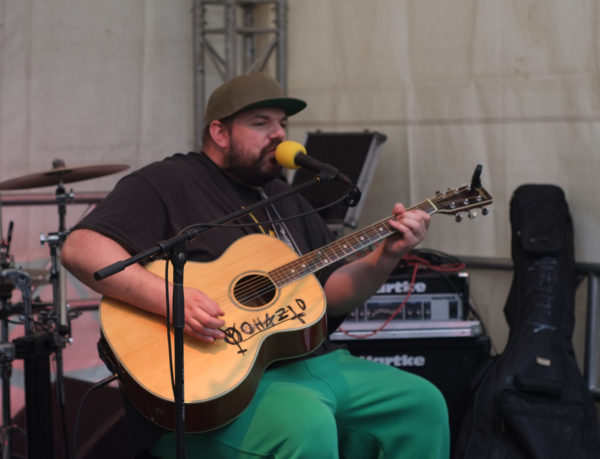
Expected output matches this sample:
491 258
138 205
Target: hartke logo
401 287
403 360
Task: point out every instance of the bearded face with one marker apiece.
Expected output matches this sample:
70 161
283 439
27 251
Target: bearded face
253 137
251 167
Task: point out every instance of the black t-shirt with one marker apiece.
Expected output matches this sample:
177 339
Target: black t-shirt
156 202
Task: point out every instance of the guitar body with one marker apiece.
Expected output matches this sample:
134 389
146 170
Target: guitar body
220 378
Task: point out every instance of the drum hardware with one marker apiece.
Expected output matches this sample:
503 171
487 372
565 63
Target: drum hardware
7 355
38 276
58 279
34 348
59 175
61 332
17 309
43 199
7 349
39 343
6 258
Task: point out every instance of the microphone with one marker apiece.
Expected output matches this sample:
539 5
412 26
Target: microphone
293 155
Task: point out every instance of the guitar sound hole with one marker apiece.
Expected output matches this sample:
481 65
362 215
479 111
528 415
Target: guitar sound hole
254 291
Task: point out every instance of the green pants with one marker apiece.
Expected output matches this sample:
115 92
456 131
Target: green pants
330 406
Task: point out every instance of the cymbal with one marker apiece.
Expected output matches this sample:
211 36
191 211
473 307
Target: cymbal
61 174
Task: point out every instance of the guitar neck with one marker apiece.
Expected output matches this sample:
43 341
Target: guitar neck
320 258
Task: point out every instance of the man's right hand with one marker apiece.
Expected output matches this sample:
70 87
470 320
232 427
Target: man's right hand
202 316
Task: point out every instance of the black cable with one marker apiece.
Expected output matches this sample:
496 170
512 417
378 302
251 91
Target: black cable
60 382
436 257
279 220
98 385
168 318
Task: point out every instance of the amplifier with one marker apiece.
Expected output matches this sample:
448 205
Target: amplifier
451 364
436 307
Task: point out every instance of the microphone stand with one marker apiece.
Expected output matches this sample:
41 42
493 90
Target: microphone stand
176 248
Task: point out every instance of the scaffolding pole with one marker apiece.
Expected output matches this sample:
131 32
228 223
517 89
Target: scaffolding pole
232 37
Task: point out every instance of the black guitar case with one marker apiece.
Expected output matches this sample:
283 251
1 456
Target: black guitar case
531 401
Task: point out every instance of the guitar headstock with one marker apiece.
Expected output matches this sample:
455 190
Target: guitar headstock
465 198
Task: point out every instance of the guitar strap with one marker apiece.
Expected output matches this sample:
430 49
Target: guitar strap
281 230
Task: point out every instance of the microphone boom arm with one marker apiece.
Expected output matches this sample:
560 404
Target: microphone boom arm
191 233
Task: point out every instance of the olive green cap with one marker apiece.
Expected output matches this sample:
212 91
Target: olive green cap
248 91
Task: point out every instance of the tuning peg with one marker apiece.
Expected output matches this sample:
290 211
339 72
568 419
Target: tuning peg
472 214
458 218
485 211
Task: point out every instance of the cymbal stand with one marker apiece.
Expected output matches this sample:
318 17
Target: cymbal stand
7 349
34 348
61 331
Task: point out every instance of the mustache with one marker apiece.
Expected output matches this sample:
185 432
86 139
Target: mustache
270 148
272 145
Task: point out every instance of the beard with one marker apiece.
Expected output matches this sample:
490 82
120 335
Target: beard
247 169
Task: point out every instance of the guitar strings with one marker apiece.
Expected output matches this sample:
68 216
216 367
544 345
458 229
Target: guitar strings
262 286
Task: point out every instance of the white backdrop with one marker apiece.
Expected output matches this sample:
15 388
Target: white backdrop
510 84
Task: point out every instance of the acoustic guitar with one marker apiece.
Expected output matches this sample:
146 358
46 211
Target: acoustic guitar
274 309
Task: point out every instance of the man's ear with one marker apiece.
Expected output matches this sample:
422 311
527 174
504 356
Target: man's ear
219 133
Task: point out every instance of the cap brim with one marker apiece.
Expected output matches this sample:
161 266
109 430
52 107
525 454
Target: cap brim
289 105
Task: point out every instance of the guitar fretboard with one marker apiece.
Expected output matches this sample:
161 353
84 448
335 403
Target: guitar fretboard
338 250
